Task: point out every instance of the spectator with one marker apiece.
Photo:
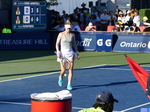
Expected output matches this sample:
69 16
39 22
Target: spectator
132 12
76 17
128 19
126 28
6 29
90 27
112 19
117 28
60 27
134 28
58 18
66 18
94 11
98 20
83 7
136 10
84 19
104 103
136 19
88 12
63 13
75 27
77 9
144 22
53 22
121 18
104 20
93 19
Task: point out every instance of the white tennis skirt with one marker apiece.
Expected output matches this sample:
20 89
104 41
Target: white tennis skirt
66 53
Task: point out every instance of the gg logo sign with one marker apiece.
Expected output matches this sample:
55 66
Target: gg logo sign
100 42
107 42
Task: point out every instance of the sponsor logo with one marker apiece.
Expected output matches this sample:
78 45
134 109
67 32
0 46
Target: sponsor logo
23 42
107 42
100 42
86 42
134 45
149 44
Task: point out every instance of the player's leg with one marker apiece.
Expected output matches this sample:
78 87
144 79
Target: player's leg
70 75
62 72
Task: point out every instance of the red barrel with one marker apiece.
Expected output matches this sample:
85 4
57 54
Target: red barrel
64 104
51 106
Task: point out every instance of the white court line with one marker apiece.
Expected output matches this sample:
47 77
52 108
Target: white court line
29 77
15 103
58 72
46 74
135 107
94 66
114 69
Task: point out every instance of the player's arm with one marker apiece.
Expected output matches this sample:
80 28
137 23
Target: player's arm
57 44
75 47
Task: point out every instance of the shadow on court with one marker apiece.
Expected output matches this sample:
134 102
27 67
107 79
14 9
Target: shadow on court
111 84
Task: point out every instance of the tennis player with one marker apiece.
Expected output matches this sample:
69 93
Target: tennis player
67 49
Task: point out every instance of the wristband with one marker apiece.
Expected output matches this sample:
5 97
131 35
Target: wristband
77 52
58 52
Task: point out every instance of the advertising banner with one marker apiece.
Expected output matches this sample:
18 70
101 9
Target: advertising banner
24 41
104 42
99 42
132 43
108 43
90 41
86 41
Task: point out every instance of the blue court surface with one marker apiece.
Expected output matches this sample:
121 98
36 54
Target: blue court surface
87 82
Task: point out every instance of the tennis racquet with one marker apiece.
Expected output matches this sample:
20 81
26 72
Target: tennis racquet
65 62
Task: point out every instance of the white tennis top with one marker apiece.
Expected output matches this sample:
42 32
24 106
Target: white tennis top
66 43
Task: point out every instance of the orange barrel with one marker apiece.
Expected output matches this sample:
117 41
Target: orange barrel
51 102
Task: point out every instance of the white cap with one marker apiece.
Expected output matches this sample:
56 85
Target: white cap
128 11
90 25
67 26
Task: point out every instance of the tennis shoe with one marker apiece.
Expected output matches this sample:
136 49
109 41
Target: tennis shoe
60 82
69 87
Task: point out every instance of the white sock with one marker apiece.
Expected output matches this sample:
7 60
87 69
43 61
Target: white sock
69 83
